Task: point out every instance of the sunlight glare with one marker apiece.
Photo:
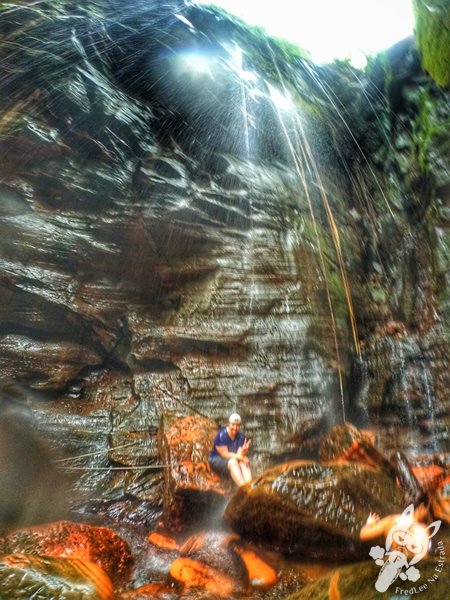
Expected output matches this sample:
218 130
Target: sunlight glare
195 62
329 29
281 100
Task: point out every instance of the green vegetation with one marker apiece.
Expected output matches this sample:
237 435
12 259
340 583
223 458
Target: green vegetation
433 38
423 130
274 58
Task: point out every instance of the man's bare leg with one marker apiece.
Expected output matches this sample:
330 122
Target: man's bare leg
245 471
235 472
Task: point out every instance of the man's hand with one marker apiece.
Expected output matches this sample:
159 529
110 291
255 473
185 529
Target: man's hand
242 451
372 518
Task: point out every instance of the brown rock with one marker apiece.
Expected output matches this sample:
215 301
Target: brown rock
193 574
189 482
261 575
98 545
308 509
441 500
149 591
162 541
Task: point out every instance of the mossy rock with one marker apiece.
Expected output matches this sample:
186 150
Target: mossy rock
357 581
45 577
433 38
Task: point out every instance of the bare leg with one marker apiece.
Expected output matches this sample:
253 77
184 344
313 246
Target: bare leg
245 471
235 472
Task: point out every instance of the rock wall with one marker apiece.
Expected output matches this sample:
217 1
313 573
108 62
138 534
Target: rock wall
248 233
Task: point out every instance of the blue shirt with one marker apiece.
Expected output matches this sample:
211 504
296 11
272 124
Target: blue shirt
223 439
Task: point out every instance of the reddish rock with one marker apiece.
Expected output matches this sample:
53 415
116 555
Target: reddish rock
429 476
441 500
189 482
193 574
99 545
162 541
149 591
261 575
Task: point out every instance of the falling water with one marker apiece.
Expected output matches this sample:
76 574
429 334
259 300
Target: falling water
300 142
195 255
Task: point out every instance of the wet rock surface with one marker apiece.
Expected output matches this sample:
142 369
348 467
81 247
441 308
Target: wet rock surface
308 509
190 486
22 576
172 242
441 500
357 581
98 545
147 266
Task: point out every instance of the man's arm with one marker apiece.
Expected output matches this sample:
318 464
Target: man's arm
225 453
374 527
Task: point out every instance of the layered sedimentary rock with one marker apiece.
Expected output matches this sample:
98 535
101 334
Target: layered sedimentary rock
176 240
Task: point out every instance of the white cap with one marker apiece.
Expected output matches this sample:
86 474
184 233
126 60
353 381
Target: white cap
234 418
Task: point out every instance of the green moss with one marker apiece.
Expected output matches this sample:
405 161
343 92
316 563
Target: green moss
433 38
424 129
357 581
318 236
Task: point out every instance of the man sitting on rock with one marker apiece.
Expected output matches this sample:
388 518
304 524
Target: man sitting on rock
229 453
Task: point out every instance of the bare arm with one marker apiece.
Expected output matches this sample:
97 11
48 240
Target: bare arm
225 453
373 528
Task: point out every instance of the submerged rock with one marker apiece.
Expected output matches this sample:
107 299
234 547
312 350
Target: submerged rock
307 509
193 574
165 542
150 591
215 549
261 576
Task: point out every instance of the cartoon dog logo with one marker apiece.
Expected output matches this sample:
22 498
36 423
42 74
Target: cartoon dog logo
407 542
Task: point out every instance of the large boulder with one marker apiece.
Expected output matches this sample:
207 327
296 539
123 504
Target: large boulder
190 486
307 509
